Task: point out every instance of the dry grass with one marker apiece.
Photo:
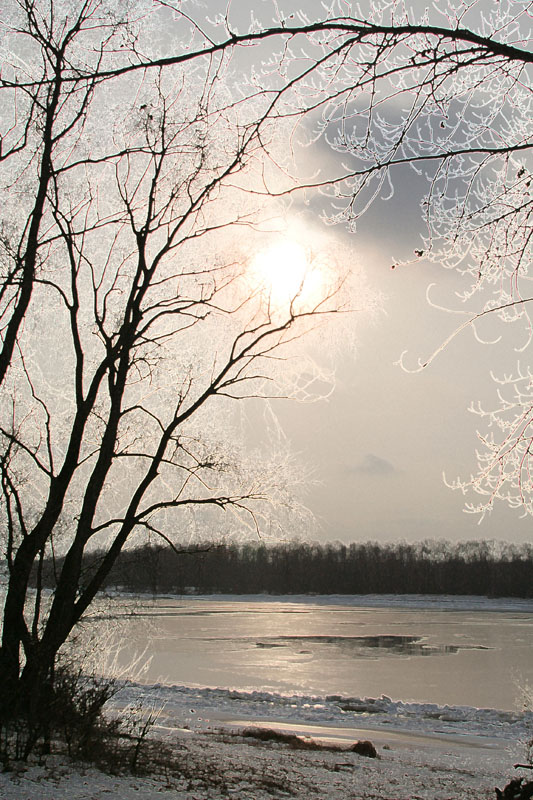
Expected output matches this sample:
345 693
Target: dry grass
362 748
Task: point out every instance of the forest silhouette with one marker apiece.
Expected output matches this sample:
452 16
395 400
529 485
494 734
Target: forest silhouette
488 568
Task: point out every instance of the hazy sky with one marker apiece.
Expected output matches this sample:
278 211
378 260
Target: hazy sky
382 441
380 444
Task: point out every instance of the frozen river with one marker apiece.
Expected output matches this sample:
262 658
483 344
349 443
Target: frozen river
457 651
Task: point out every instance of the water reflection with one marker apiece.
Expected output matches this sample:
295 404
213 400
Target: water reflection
331 649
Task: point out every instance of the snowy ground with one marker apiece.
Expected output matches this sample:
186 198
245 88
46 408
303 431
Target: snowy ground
425 751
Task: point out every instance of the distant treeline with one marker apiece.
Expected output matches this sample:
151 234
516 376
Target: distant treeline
429 567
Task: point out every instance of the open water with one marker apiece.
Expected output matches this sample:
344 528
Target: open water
478 656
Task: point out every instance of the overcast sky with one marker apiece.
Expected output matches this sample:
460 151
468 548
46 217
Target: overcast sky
380 444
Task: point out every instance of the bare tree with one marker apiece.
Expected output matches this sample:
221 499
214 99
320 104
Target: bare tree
132 309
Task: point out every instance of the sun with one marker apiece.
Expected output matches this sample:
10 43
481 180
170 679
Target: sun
284 273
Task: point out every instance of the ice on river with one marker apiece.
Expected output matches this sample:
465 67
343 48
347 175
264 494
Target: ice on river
426 751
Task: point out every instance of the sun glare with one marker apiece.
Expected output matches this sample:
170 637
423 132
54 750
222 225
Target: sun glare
284 273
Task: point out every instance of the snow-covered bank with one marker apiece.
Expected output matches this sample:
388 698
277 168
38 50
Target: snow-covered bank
204 709
426 751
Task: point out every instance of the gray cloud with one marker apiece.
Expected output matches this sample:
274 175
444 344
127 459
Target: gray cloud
373 465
